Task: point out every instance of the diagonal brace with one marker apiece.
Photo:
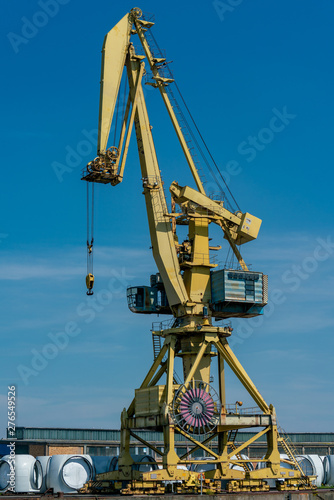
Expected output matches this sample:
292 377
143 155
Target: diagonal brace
233 362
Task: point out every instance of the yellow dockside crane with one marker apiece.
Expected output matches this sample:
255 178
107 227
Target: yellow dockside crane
190 288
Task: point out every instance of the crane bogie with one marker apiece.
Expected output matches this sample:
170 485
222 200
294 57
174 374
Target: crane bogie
189 287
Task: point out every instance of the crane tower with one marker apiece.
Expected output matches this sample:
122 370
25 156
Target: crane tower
189 288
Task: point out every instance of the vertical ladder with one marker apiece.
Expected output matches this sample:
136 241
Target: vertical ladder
156 339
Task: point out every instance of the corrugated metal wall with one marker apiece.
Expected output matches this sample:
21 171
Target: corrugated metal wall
239 286
82 435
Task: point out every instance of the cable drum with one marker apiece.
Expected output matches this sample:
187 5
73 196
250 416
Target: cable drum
196 408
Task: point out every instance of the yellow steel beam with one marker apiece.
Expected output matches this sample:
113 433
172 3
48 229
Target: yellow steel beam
161 85
234 247
158 375
196 363
247 443
149 376
198 443
123 129
197 447
170 371
186 193
141 440
134 95
155 365
162 238
114 50
230 358
221 374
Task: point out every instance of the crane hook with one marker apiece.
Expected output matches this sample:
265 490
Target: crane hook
90 241
90 275
90 283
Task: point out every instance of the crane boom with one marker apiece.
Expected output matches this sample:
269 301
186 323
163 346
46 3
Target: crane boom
114 51
162 240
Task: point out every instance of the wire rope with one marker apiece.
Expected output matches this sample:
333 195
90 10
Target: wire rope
200 135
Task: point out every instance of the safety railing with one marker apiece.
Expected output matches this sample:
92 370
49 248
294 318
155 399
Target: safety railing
236 409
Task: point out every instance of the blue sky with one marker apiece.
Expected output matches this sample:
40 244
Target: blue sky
258 78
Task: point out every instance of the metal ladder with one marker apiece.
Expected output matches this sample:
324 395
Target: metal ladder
156 339
231 440
292 453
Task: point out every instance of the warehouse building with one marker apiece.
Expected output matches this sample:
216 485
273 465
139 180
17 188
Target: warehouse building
53 441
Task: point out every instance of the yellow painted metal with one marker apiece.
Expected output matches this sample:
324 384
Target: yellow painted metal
273 455
190 375
114 51
238 228
170 371
159 374
150 374
146 443
149 401
234 247
125 459
185 272
90 281
189 351
170 457
197 269
247 443
155 365
186 193
230 358
132 117
162 239
221 374
160 82
198 443
120 170
248 229
247 485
